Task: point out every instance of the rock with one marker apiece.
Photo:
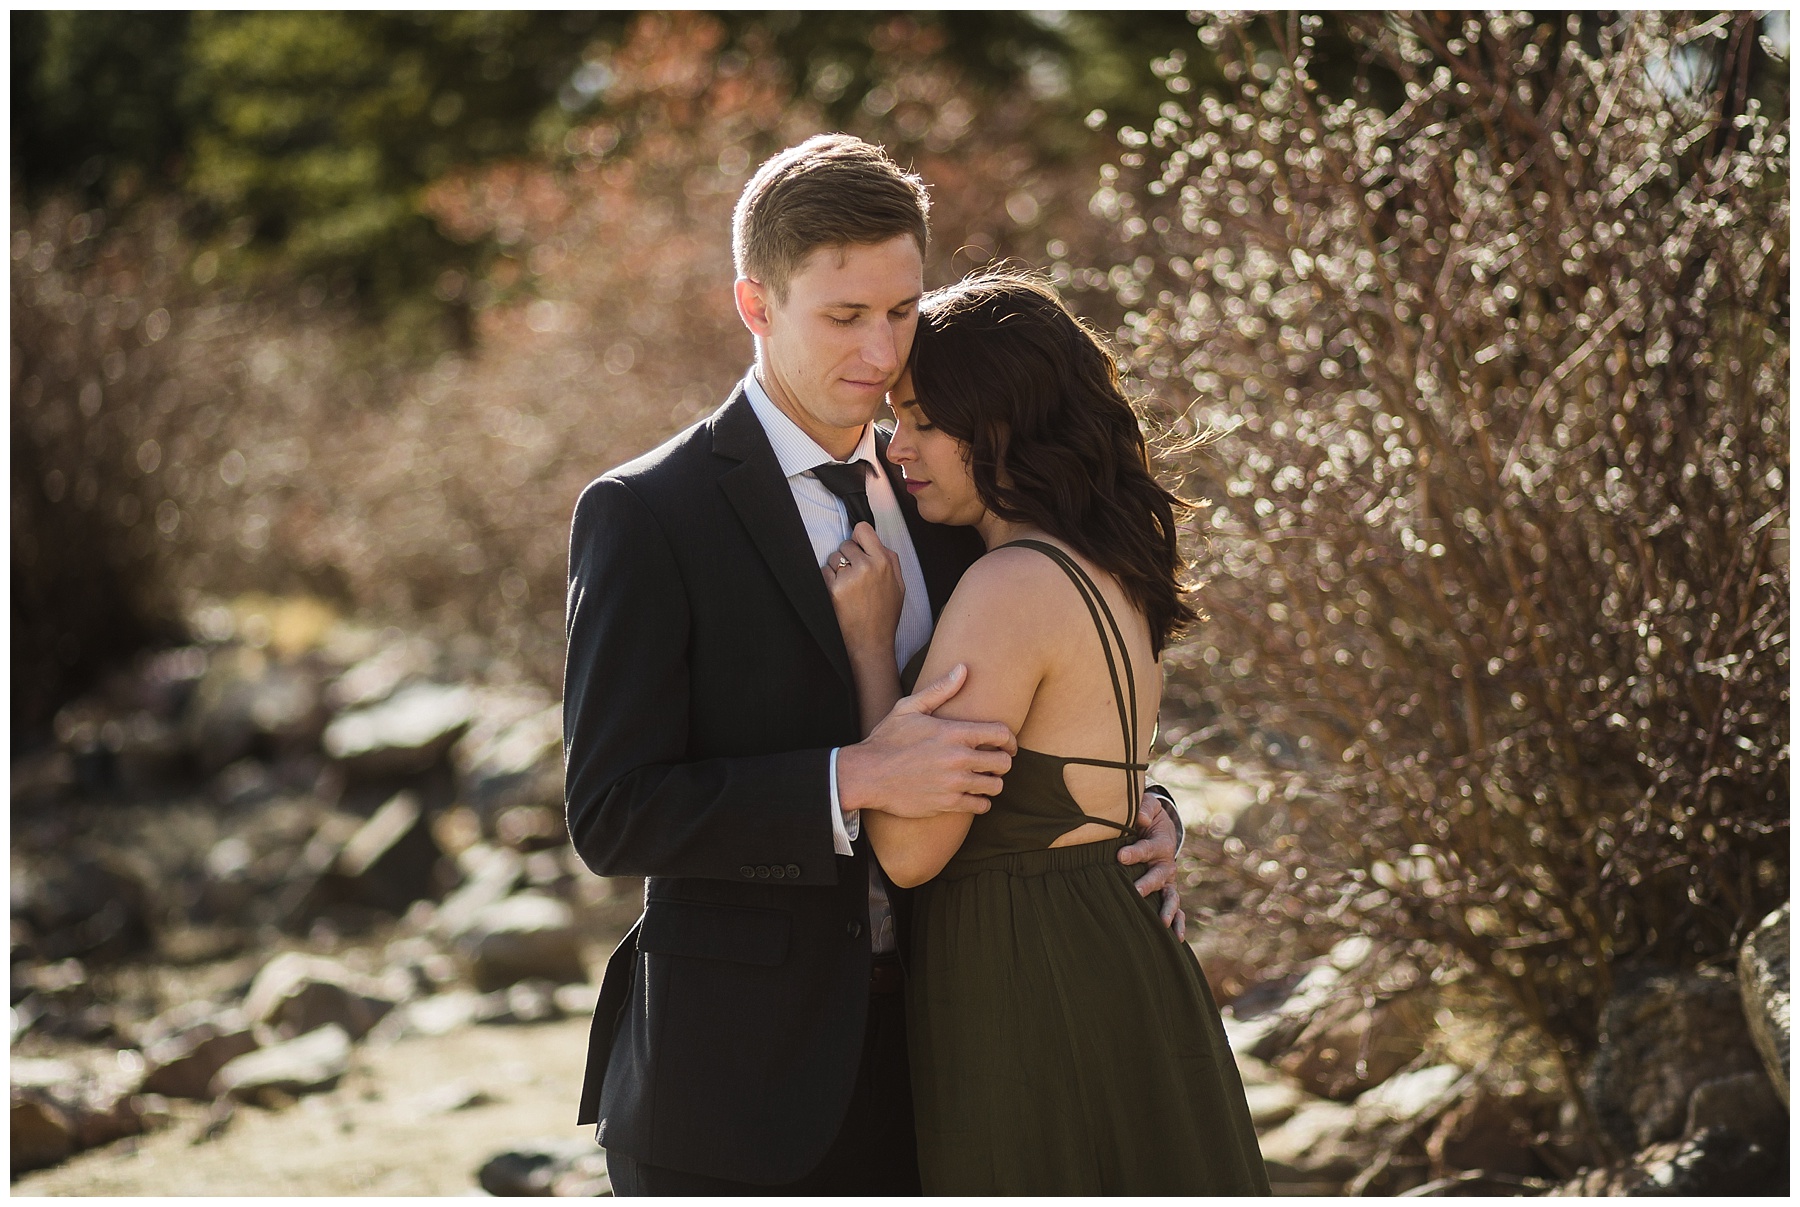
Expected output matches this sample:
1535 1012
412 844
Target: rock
314 1061
1662 1036
296 993
1318 1143
1763 981
1273 1103
436 1015
1348 1049
537 1168
104 1116
376 677
526 935
530 1001
1487 1131
183 1063
389 863
1279 1028
44 1073
1745 1103
491 873
1261 997
407 733
60 1108
1409 1097
1713 1163
508 763
445 1099
42 1132
578 999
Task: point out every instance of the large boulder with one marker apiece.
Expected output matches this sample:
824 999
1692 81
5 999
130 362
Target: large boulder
1763 981
313 1062
295 993
1663 1035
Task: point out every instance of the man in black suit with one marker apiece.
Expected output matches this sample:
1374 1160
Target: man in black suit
750 1035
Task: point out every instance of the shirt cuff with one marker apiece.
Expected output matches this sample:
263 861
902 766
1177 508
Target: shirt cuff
843 831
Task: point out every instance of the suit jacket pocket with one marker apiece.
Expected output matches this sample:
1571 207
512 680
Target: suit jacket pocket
715 932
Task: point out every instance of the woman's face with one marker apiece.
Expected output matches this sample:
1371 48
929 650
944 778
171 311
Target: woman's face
936 465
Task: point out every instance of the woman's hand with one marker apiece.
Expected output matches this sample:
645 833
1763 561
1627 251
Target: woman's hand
863 577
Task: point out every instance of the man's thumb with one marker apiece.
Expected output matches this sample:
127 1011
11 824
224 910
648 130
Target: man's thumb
931 697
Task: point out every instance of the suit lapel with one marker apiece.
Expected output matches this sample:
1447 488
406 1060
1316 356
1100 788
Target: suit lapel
944 552
759 492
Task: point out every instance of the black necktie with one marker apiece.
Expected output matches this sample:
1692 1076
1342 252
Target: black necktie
849 481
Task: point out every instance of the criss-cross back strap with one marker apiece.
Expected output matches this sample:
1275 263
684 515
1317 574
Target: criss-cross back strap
1126 698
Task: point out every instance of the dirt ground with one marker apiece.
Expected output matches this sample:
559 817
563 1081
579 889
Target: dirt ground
393 1126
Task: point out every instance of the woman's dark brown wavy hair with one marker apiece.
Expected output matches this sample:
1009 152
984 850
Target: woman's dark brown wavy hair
1001 364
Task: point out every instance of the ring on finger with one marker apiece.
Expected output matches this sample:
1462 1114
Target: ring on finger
843 562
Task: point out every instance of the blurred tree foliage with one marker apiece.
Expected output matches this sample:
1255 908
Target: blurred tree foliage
304 140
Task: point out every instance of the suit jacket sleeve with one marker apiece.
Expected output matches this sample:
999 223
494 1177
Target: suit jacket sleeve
638 805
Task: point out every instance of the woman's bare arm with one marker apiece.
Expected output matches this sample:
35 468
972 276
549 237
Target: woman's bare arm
989 626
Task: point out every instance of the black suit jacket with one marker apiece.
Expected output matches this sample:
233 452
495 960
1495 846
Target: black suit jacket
706 682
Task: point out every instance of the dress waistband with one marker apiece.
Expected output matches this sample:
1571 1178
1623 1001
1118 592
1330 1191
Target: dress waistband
1041 862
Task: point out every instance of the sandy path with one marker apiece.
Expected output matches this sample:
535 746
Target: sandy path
382 1131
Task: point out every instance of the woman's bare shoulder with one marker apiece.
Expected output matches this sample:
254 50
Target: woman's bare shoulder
1019 588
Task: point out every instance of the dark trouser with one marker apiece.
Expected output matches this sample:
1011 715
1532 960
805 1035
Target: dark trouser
874 1152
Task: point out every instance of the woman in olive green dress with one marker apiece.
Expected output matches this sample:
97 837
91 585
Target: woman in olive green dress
1063 1041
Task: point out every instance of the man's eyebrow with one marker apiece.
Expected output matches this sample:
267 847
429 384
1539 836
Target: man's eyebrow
912 301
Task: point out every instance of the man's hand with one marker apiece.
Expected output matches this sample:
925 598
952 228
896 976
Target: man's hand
913 764
1158 847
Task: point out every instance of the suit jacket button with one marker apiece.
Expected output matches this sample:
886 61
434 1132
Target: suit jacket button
777 871
747 872
853 929
762 871
793 869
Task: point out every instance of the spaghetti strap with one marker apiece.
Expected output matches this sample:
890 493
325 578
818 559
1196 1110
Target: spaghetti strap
1125 699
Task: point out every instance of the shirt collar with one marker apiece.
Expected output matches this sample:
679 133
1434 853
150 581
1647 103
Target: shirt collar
794 449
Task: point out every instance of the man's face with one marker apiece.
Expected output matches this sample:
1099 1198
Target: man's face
836 345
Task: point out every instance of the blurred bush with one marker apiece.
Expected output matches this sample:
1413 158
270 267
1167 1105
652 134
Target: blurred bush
1496 545
193 439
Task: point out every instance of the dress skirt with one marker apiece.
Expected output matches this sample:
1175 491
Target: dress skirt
1064 1041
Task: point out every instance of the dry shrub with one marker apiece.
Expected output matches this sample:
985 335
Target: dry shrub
1496 545
267 442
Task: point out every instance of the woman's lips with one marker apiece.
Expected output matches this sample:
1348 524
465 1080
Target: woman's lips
914 486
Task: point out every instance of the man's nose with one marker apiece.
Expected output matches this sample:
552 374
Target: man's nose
881 350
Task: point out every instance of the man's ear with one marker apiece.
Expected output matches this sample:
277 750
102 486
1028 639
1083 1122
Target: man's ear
753 305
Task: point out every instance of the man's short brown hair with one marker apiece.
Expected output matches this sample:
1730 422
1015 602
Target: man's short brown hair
833 190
